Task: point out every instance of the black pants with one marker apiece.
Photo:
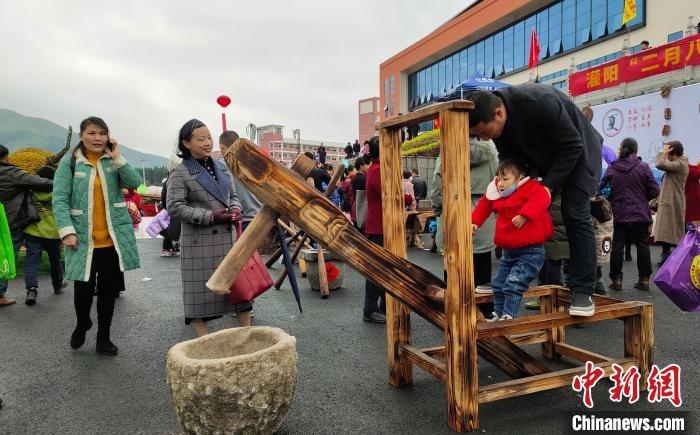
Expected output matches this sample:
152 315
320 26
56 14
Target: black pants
576 212
550 274
482 275
375 299
638 233
108 279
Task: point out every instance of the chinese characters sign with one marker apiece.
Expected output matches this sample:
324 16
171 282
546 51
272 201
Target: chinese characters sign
660 384
646 63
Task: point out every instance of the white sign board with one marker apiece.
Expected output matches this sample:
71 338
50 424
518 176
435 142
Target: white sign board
642 118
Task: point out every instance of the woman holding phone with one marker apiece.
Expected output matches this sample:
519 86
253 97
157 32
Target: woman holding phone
95 227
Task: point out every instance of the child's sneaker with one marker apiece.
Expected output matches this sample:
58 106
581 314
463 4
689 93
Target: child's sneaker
494 317
166 253
506 317
484 289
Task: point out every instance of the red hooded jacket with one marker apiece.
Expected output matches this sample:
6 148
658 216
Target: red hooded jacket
530 200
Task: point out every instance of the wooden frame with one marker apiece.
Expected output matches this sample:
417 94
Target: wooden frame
465 330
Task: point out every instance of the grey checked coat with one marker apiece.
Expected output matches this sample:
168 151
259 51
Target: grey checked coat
193 195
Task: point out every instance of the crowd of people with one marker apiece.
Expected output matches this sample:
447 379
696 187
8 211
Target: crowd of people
538 199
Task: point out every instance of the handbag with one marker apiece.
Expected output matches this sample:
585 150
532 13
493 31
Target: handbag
160 223
679 276
134 212
7 253
253 280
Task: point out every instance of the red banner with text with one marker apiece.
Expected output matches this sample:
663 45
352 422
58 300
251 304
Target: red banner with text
658 60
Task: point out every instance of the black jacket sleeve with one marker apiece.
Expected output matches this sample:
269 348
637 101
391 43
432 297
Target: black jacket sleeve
564 139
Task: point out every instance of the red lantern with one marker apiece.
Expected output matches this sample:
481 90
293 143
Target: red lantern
223 101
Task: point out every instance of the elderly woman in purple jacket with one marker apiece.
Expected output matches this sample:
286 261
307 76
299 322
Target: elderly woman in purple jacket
632 186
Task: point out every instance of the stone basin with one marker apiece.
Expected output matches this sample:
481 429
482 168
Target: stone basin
238 380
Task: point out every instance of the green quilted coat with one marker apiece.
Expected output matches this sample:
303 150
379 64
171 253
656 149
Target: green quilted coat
73 207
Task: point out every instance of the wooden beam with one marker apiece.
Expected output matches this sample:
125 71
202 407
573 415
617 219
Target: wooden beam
554 335
543 321
398 318
533 384
579 354
434 351
532 292
508 357
424 114
460 304
533 337
425 361
639 341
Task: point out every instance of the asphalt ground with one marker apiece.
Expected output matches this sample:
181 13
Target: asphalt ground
342 385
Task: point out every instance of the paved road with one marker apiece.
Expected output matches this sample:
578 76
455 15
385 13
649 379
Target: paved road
342 387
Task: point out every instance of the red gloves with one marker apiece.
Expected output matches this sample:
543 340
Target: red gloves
226 215
222 216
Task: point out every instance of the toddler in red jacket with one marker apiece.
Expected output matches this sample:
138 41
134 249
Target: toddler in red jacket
522 226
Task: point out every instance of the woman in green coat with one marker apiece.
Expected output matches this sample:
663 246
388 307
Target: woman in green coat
95 226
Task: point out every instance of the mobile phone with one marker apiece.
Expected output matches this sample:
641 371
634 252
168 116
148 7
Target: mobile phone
109 144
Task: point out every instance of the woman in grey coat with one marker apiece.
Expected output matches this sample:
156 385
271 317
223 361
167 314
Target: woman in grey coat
202 196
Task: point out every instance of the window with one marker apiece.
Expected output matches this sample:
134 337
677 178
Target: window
391 108
471 60
448 74
598 18
568 24
583 21
480 57
675 36
456 78
555 29
488 57
615 8
498 54
463 65
530 25
441 79
543 33
519 45
508 49
434 92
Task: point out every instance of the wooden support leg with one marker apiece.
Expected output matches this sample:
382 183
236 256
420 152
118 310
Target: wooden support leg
549 347
322 276
398 324
460 306
639 341
302 266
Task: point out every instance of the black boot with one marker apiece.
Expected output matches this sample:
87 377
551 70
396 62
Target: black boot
105 309
82 300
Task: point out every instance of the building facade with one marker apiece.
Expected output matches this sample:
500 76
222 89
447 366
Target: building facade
493 37
368 115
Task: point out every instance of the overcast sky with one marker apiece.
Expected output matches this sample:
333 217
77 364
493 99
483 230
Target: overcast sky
146 67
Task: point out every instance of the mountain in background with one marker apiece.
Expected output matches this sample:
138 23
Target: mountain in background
19 131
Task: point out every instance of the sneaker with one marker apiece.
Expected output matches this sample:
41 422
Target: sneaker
506 317
374 317
494 317
484 289
166 253
581 305
6 301
31 296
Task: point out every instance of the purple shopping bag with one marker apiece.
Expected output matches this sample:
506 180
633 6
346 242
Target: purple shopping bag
679 277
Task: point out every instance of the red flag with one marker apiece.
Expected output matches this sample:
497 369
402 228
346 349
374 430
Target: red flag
534 50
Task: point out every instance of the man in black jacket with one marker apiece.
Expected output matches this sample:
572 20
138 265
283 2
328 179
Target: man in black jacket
19 209
541 125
